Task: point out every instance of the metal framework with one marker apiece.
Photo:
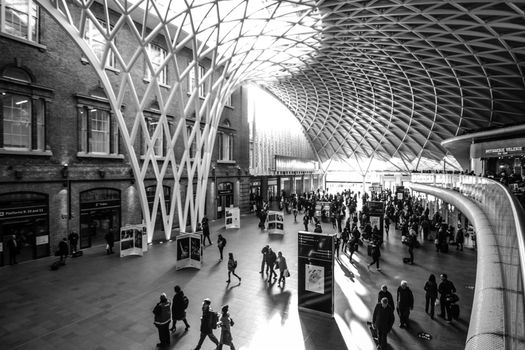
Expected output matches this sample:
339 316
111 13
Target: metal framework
367 79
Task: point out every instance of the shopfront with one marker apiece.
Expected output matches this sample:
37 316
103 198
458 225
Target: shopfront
272 191
502 157
307 183
99 214
255 195
286 186
299 185
225 197
26 216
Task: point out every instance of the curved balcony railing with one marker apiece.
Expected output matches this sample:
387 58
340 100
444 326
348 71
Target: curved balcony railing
507 222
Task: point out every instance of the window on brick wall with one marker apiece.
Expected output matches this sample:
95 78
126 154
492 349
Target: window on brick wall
98 131
225 143
98 42
20 18
192 81
157 56
22 111
162 142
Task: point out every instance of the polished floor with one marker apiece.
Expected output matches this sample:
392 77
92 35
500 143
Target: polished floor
101 301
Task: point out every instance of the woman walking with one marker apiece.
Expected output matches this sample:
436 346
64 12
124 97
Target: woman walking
225 322
431 292
232 265
283 268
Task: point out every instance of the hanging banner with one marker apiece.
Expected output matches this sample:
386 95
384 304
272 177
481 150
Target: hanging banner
316 272
188 251
275 222
131 240
232 218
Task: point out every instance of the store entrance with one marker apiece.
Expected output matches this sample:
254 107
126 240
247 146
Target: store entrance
99 214
225 198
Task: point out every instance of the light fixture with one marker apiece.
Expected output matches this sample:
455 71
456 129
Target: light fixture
65 171
20 102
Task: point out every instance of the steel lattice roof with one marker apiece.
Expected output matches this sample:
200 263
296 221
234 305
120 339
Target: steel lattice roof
394 78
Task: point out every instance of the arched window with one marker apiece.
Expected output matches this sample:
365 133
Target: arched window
22 111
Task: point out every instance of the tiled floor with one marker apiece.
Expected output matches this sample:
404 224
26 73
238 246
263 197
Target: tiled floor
102 302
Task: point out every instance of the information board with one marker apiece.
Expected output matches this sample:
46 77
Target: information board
316 272
232 218
188 251
131 240
275 222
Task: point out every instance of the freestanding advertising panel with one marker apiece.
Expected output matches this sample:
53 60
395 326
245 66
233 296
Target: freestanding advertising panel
377 212
316 272
275 222
131 240
232 218
189 250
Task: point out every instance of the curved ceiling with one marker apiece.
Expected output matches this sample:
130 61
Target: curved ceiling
394 78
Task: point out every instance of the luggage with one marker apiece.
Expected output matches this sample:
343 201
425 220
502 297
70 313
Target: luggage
77 254
56 265
369 249
444 248
406 260
452 298
454 311
373 332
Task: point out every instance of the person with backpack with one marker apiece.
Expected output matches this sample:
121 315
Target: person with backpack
446 288
221 243
232 265
209 321
178 308
162 312
226 322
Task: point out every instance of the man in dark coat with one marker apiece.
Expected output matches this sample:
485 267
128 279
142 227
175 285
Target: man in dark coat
205 230
110 240
13 249
162 312
405 303
445 289
271 257
384 293
178 308
73 240
206 324
63 250
383 321
264 251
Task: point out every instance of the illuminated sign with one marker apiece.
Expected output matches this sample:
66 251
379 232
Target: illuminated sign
503 150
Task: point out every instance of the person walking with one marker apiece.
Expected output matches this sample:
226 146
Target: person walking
306 220
205 230
446 288
225 322
460 238
376 254
384 293
207 325
178 308
162 312
63 250
232 265
270 264
431 292
264 251
13 249
73 240
283 268
294 210
411 243
110 241
383 320
405 303
221 243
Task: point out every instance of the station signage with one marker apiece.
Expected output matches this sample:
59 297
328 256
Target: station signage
9 213
503 151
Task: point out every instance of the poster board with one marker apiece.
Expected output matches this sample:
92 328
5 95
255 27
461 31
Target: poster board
316 272
232 219
275 222
131 240
188 250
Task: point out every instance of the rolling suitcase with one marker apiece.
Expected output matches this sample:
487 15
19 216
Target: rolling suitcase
373 332
454 311
77 254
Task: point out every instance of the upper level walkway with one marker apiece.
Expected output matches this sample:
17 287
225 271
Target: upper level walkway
102 301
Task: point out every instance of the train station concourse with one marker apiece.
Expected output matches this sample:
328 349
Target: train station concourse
370 142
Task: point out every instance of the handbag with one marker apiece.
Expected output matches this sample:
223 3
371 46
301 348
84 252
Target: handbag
286 273
436 241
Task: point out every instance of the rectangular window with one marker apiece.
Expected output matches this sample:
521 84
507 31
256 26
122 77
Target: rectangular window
98 42
193 146
225 146
98 132
193 82
229 101
20 18
157 56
